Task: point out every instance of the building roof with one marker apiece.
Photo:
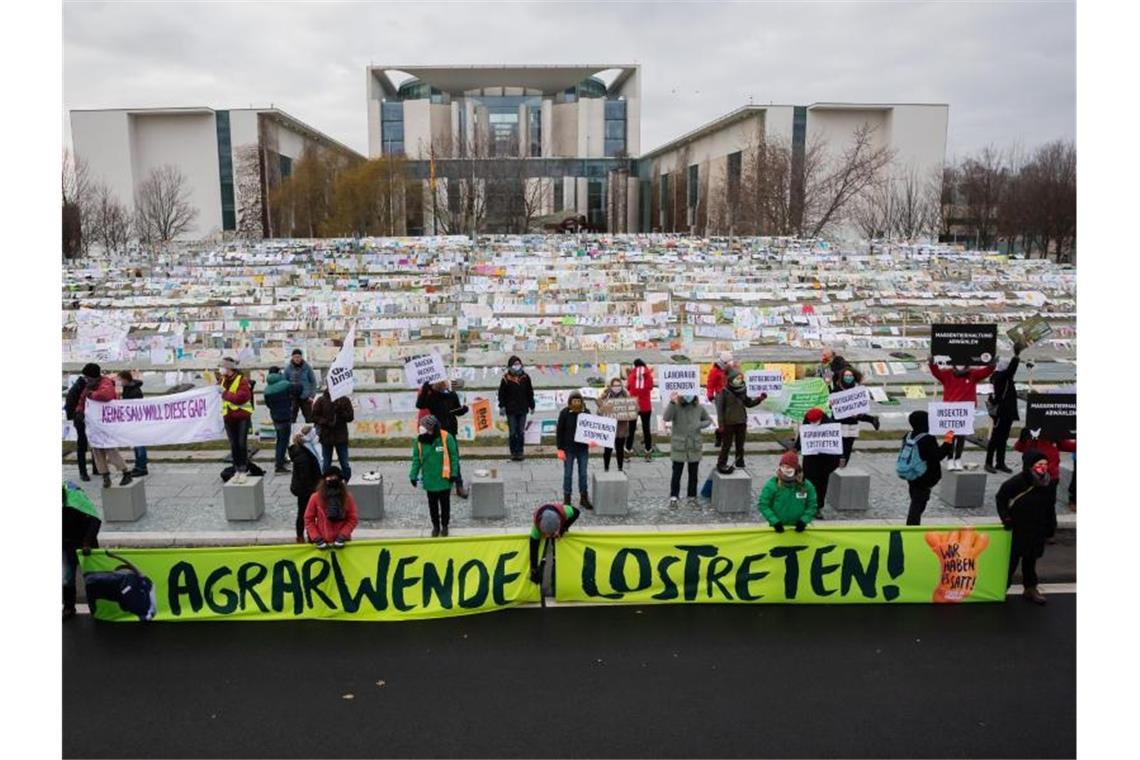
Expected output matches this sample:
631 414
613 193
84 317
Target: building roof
458 79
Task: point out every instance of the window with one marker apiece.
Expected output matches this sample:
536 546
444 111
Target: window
286 165
558 194
614 127
734 170
694 176
535 131
392 128
663 201
596 202
225 169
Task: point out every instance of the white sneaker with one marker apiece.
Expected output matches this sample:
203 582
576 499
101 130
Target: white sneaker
673 501
955 465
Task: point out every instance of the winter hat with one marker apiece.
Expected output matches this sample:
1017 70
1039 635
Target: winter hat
92 370
726 358
638 363
574 394
1030 458
814 415
736 379
297 352
229 363
549 522
429 423
514 360
789 459
919 421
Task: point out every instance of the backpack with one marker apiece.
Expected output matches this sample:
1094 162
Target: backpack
910 465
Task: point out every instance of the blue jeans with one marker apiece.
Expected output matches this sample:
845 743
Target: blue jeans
516 425
582 457
282 429
140 458
341 455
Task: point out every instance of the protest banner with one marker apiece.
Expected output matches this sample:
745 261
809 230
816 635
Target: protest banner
797 396
821 439
1030 331
188 417
532 433
593 429
341 382
787 370
855 565
399 579
427 368
849 403
951 416
764 381
621 409
1054 414
680 379
481 415
963 344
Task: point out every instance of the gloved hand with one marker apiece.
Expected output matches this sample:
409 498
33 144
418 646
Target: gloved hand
414 482
778 527
800 525
561 455
949 437
86 551
763 396
535 576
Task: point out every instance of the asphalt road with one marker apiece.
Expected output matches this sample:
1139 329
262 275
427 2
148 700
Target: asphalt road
983 680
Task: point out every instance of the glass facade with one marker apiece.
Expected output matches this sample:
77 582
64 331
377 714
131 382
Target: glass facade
596 202
392 127
534 131
615 128
558 187
503 120
226 170
694 186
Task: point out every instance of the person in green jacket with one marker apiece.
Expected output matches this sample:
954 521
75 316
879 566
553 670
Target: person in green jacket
278 401
688 418
788 499
435 457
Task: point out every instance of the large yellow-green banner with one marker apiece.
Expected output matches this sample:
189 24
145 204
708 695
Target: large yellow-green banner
818 566
402 579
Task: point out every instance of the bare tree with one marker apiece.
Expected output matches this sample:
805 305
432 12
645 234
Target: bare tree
719 213
247 171
111 221
162 205
765 203
948 200
914 204
78 198
831 186
871 212
983 181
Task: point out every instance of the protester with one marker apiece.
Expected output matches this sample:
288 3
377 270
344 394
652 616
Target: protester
732 404
717 378
302 386
443 404
1073 486
237 411
688 419
919 463
818 467
277 398
332 418
1052 449
132 389
639 383
845 378
1027 506
788 498
73 409
616 390
81 523
570 451
1002 408
330 516
550 521
435 459
306 476
823 369
100 387
516 399
960 383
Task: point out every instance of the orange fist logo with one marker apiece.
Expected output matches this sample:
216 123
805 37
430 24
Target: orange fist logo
958 551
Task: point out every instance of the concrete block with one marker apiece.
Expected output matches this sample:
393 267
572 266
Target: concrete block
732 493
488 498
369 498
125 503
1063 485
609 492
244 501
849 489
964 488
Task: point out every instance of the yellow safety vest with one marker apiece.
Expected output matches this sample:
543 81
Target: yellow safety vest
227 406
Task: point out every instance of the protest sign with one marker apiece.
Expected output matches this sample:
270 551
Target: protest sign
764 381
821 439
872 565
427 368
189 417
593 429
797 397
1054 414
532 433
1030 331
481 415
963 344
847 404
680 379
341 382
787 370
622 409
951 416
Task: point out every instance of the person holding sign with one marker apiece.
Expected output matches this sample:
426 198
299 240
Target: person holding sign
616 390
788 499
306 475
551 521
132 389
435 458
237 411
332 418
688 419
640 386
74 411
960 383
818 467
516 398
848 378
1027 505
1039 440
570 451
919 463
732 405
443 403
1002 408
331 514
99 387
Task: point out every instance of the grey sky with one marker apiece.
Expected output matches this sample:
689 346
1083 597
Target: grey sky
1008 70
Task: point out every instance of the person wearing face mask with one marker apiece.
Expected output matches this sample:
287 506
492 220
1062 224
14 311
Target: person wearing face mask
824 369
960 383
718 376
787 498
1031 440
732 405
306 475
516 399
616 390
443 403
845 378
639 383
818 467
1026 504
919 463
331 514
570 451
435 460
688 419
237 410
1002 408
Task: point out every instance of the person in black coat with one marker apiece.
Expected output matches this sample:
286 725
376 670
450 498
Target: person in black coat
443 404
132 389
516 399
932 453
846 377
75 415
80 534
1004 411
1026 504
570 451
818 467
306 473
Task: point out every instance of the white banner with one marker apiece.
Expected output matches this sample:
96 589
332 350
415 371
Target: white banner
821 439
341 382
680 379
846 404
764 381
188 417
594 429
424 369
532 434
946 416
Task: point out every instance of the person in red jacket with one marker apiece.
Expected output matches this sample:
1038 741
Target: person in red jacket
639 383
718 378
1027 441
330 516
237 410
101 388
960 383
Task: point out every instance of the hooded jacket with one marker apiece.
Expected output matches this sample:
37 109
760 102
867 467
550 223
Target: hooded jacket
81 521
960 388
318 524
102 389
688 420
516 393
133 389
786 503
277 398
732 404
640 386
427 462
1052 451
567 425
718 376
306 475
1030 509
443 405
1005 390
931 451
